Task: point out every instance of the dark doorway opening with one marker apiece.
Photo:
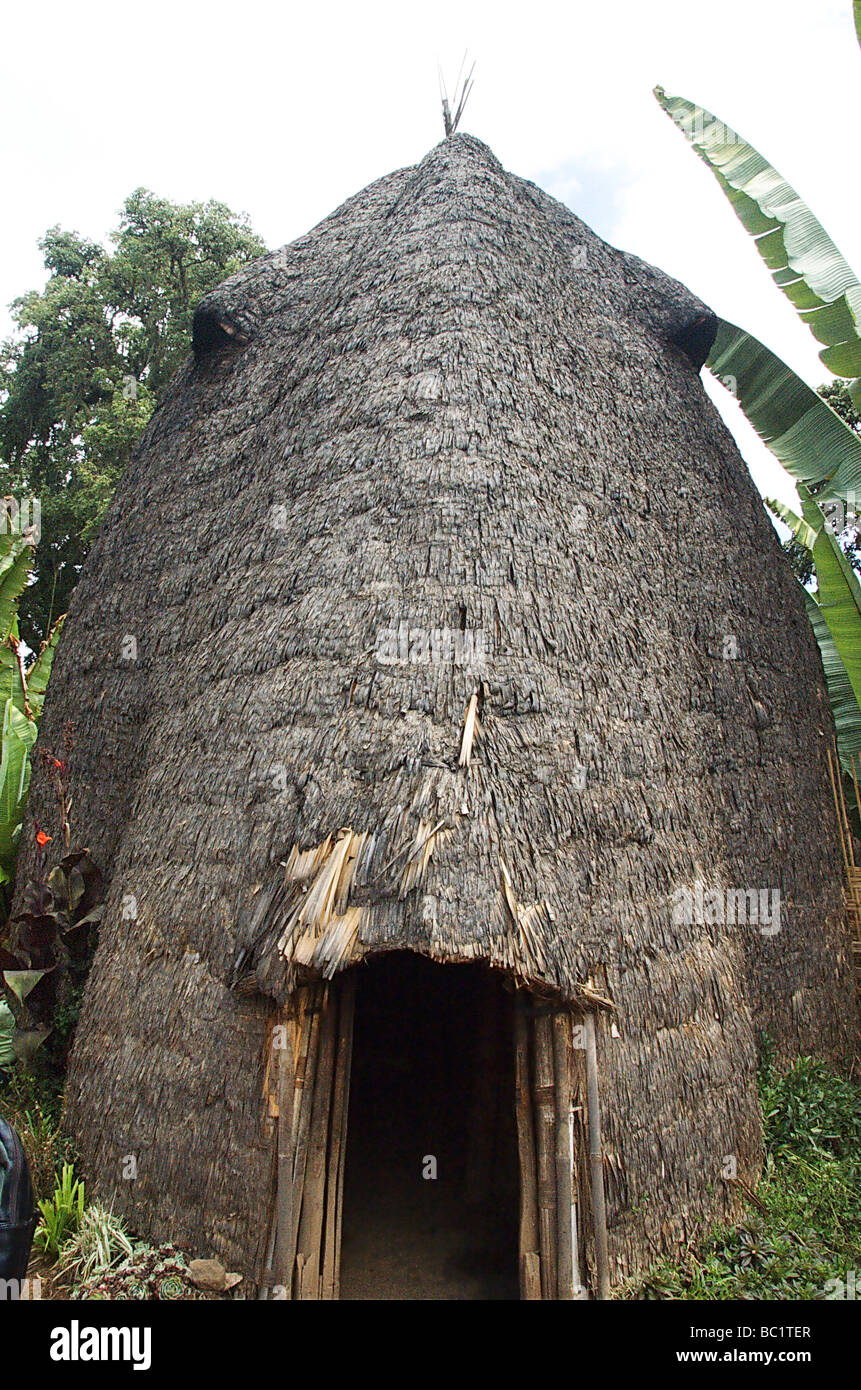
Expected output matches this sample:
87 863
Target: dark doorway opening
432 1090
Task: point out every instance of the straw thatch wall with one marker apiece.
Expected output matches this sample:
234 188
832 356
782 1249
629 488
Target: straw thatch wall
452 409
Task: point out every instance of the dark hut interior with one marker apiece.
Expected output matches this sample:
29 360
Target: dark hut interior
431 1181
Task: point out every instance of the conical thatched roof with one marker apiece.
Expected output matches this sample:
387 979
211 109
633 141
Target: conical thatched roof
442 479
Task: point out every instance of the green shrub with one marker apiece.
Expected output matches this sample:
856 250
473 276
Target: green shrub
810 1230
61 1214
810 1109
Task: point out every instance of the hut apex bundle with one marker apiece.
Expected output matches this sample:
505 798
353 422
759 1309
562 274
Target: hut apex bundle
449 732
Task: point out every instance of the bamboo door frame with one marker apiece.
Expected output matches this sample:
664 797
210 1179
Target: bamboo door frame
307 1087
563 1225
562 1221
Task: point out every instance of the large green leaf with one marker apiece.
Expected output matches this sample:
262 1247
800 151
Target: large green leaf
800 429
857 9
838 595
22 982
11 686
803 260
7 1050
40 671
16 559
844 706
18 737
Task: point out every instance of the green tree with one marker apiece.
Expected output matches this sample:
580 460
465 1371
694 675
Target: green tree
90 357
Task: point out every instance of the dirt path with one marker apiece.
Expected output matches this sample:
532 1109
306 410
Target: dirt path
411 1239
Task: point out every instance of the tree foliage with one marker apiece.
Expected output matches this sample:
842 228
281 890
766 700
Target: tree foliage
91 354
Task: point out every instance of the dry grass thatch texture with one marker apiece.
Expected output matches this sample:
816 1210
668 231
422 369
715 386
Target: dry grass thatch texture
450 444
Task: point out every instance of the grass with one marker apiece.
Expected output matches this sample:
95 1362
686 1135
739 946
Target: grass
809 1233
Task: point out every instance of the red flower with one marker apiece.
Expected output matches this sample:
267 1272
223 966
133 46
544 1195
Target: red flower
42 839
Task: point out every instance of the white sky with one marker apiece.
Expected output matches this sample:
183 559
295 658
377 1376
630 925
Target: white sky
285 110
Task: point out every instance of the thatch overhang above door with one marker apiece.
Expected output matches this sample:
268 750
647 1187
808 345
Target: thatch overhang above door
328 909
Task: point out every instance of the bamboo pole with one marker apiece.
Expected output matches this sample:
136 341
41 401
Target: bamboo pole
268 1277
576 1276
310 1238
853 763
309 1033
338 1140
545 1130
530 1277
581 1212
530 1268
349 1027
564 1155
596 1160
840 809
853 875
283 1223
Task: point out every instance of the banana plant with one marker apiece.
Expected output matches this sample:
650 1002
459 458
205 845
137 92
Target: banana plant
835 613
22 690
804 262
810 439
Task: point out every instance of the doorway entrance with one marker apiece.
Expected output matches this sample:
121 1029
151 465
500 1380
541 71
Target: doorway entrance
430 1202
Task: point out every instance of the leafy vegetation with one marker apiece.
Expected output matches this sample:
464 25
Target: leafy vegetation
49 945
22 690
810 1110
92 354
803 1233
835 614
62 1213
98 1244
31 1103
804 263
45 951
815 437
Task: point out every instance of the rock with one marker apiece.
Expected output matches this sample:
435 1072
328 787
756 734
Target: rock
212 1276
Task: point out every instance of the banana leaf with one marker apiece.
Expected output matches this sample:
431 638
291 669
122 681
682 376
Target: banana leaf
845 709
16 559
809 438
838 597
804 262
18 737
22 982
40 671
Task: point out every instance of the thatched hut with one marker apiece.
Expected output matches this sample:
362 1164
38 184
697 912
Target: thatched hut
450 733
